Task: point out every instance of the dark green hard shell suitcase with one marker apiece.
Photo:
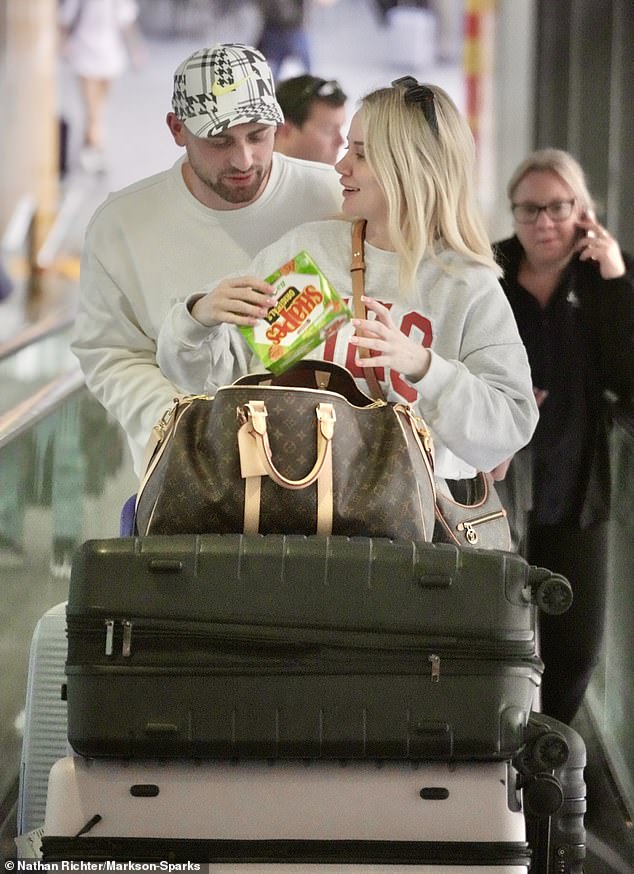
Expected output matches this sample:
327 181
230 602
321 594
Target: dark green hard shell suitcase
301 647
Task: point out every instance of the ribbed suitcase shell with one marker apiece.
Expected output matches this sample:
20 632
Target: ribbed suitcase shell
45 723
449 817
316 647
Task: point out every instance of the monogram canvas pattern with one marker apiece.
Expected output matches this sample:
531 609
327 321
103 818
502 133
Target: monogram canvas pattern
217 88
382 483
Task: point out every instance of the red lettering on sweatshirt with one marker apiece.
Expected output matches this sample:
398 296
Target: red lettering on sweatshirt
413 325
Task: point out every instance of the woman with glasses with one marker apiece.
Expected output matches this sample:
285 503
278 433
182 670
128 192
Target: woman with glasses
439 328
572 292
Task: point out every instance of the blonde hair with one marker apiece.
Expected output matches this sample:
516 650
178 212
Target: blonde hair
559 162
428 178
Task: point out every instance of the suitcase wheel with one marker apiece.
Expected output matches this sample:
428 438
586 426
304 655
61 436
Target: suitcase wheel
543 796
552 592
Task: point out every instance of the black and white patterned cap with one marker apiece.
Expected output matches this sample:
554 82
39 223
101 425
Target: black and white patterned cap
217 88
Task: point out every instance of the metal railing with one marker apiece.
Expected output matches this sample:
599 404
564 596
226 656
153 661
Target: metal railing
40 404
54 323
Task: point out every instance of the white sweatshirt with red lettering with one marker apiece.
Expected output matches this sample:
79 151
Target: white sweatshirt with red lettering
476 396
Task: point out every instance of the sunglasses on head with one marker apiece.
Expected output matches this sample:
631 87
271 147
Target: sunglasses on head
421 95
323 88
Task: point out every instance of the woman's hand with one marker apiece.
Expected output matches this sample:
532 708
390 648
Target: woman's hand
395 350
243 300
598 245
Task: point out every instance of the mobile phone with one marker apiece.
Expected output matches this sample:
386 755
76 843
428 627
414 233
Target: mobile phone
582 232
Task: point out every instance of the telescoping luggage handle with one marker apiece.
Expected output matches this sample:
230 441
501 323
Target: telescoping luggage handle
256 461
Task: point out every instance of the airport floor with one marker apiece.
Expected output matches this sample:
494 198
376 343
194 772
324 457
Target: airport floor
138 144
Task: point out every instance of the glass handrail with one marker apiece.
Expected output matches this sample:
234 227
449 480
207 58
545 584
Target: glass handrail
65 474
54 323
611 695
40 404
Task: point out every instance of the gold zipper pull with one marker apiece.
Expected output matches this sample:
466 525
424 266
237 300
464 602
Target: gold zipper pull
435 667
468 527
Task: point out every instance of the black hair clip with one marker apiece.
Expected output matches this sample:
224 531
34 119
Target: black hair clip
423 96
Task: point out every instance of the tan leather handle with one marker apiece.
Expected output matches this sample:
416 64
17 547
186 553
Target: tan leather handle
256 458
357 268
256 461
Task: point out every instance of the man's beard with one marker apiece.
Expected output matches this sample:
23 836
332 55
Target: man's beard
234 193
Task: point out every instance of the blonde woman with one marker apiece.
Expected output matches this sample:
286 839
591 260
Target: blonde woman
440 330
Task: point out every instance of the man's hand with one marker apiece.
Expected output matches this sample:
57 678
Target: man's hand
243 300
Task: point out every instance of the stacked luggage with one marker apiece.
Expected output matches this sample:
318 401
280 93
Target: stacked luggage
313 702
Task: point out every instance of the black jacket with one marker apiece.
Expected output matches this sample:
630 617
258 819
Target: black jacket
581 348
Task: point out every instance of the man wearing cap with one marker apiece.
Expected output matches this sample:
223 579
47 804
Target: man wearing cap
314 113
171 235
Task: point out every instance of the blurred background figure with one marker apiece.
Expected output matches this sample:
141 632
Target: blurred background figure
450 29
6 283
314 113
284 33
427 31
97 39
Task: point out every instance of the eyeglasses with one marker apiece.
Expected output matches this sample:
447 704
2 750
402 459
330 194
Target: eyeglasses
556 210
423 96
323 88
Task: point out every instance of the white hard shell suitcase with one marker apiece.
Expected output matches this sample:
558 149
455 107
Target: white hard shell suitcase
288 815
45 717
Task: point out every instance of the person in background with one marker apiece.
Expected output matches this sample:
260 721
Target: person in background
439 328
572 292
98 37
283 35
167 236
314 113
6 283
